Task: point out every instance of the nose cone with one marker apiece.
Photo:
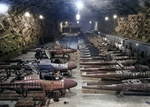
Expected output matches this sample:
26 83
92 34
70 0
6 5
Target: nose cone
74 50
71 66
68 83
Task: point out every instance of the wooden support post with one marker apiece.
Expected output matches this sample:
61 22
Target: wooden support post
44 95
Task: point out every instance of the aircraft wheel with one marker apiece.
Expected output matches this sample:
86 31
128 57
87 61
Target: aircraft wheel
68 58
63 92
56 95
24 93
70 73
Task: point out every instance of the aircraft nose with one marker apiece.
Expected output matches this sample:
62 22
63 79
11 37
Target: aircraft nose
68 83
71 66
74 50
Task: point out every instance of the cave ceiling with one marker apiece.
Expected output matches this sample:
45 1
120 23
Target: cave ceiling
66 9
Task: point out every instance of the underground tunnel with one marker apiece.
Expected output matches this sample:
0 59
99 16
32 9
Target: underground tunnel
74 53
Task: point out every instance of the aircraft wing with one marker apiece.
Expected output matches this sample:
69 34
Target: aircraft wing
33 68
48 53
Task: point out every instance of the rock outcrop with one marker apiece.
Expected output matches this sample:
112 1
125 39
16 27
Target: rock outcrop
17 33
135 26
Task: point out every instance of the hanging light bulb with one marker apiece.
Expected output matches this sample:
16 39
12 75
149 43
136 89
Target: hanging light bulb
27 14
4 8
41 17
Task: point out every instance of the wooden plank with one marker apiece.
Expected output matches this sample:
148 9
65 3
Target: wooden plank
25 102
120 65
9 98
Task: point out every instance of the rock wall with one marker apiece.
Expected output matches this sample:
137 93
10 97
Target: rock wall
135 26
17 32
108 27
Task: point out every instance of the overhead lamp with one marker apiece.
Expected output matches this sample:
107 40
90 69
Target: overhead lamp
106 18
41 17
27 14
66 22
115 16
90 22
78 22
78 17
79 5
4 8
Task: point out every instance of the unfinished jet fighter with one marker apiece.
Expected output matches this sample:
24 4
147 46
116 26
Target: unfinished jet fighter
51 52
43 64
114 68
118 75
131 85
29 84
48 70
114 62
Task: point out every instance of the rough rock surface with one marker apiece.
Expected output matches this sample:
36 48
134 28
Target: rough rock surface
17 33
135 26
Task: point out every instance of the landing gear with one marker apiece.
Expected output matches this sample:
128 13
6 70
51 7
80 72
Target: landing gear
70 73
56 95
63 92
38 55
24 93
119 94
